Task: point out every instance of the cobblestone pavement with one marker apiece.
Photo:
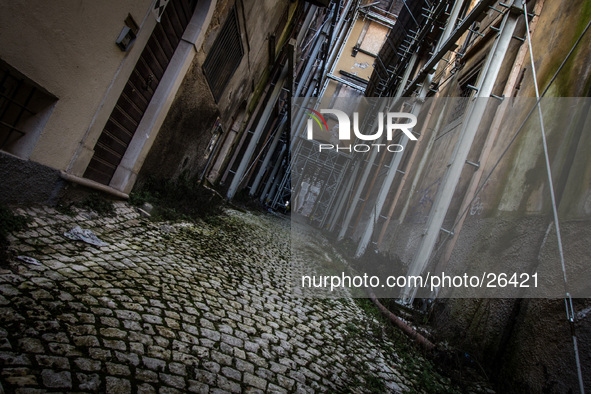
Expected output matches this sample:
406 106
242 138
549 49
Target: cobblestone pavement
175 308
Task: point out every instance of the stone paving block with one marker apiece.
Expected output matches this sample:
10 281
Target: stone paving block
172 380
56 379
227 385
255 381
154 313
154 363
118 385
146 375
146 388
53 362
197 387
90 382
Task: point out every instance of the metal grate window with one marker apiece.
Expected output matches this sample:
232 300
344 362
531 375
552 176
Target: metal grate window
224 56
17 98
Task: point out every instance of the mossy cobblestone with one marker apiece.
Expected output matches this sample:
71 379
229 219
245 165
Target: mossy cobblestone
178 307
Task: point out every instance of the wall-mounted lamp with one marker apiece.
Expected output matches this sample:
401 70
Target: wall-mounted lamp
128 34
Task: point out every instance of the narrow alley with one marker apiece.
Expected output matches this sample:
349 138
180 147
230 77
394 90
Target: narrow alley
300 196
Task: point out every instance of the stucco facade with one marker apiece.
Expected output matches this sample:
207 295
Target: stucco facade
69 52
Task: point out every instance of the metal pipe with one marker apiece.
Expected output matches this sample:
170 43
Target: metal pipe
450 180
271 179
237 180
263 169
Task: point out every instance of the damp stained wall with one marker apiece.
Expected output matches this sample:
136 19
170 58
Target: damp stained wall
526 344
186 133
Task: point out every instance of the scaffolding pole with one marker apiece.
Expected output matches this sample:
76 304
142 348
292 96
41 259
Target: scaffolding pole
238 176
470 125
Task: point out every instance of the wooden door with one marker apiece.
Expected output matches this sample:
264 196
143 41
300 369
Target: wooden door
138 91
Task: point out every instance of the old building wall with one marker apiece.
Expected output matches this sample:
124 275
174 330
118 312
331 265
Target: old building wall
68 49
525 343
182 145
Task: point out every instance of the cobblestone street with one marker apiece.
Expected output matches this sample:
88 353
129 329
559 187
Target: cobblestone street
177 308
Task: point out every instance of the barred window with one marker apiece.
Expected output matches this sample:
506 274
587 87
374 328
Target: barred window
224 56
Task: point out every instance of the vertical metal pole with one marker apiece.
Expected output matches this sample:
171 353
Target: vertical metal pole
343 198
256 135
396 159
450 180
271 179
263 169
306 25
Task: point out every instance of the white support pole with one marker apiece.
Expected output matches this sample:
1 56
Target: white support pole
257 134
368 168
470 125
385 188
342 38
271 179
306 25
359 189
268 156
396 159
317 46
343 198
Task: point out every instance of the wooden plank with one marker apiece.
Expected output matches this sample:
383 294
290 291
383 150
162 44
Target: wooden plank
128 105
125 121
155 63
99 171
163 40
138 100
113 143
177 25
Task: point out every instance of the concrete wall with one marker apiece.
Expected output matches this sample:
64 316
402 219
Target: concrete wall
186 132
68 49
525 344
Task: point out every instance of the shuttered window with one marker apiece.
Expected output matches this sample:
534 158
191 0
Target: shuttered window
224 56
